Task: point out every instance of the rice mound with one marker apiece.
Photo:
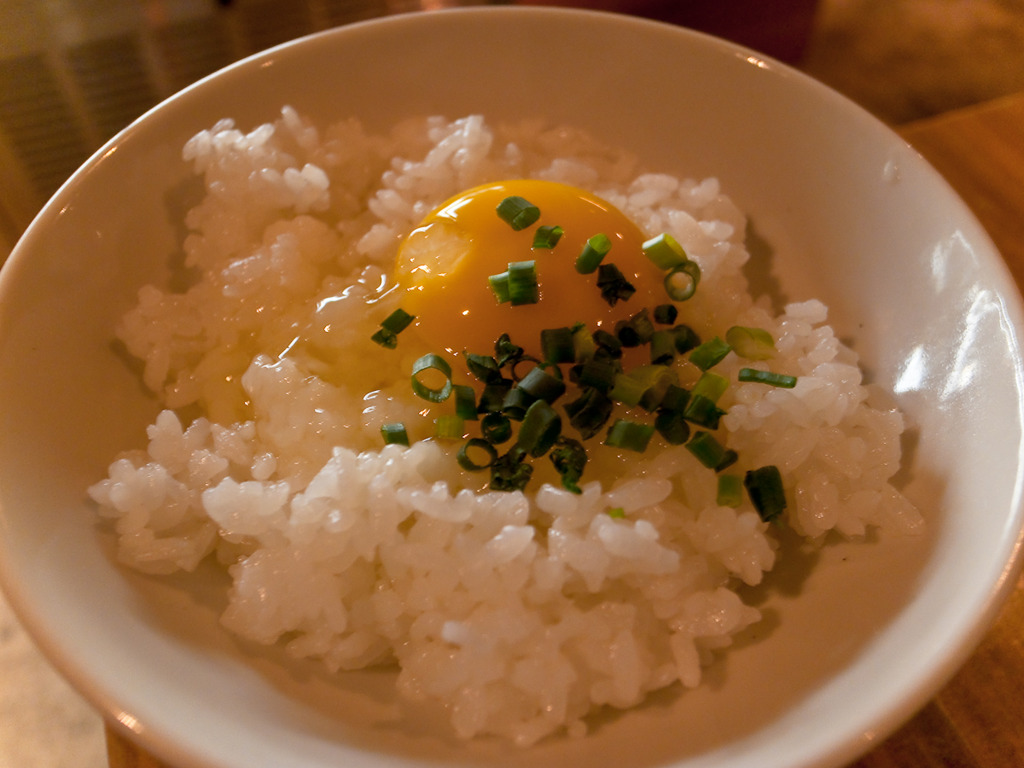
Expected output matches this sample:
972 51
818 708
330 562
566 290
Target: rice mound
519 612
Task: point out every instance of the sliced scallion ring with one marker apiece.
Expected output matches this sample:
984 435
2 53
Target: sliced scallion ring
751 343
547 236
681 281
394 434
665 251
593 253
522 283
518 212
476 445
431 362
631 435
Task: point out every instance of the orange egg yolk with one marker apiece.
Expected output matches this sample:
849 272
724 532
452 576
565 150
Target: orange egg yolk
444 264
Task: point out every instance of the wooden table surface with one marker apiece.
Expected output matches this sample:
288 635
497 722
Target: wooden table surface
977 720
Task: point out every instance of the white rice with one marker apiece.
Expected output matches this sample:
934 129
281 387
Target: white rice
521 613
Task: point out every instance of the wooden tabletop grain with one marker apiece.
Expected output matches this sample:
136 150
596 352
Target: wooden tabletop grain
977 720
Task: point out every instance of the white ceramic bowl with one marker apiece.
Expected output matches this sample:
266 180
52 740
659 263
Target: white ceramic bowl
851 215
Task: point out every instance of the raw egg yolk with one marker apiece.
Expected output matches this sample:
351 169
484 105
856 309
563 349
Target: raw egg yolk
444 264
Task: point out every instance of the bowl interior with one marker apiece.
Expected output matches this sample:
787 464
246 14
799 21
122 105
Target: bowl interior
855 637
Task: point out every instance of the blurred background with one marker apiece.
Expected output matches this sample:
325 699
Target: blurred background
74 72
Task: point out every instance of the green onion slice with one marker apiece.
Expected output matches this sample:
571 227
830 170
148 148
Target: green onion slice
593 253
465 402
557 345
496 428
540 428
767 377
518 212
631 435
569 458
613 284
522 283
385 338
707 449
499 286
730 490
681 281
397 321
711 385
616 513
394 434
541 385
764 486
476 445
665 251
751 343
589 412
547 236
510 472
431 362
665 314
449 426
710 353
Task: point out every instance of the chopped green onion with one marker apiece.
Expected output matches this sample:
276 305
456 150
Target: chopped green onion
492 398
730 458
658 379
540 428
710 353
431 362
764 486
385 338
465 402
448 426
598 373
594 251
608 343
675 398
547 236
627 389
707 449
476 444
711 385
518 212
517 400
665 314
730 490
522 283
686 338
617 513
569 458
484 367
631 435
671 425
509 472
663 346
499 287
397 321
681 282
541 385
583 344
496 428
506 352
557 345
703 412
767 377
664 251
589 412
751 343
613 284
641 326
394 434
